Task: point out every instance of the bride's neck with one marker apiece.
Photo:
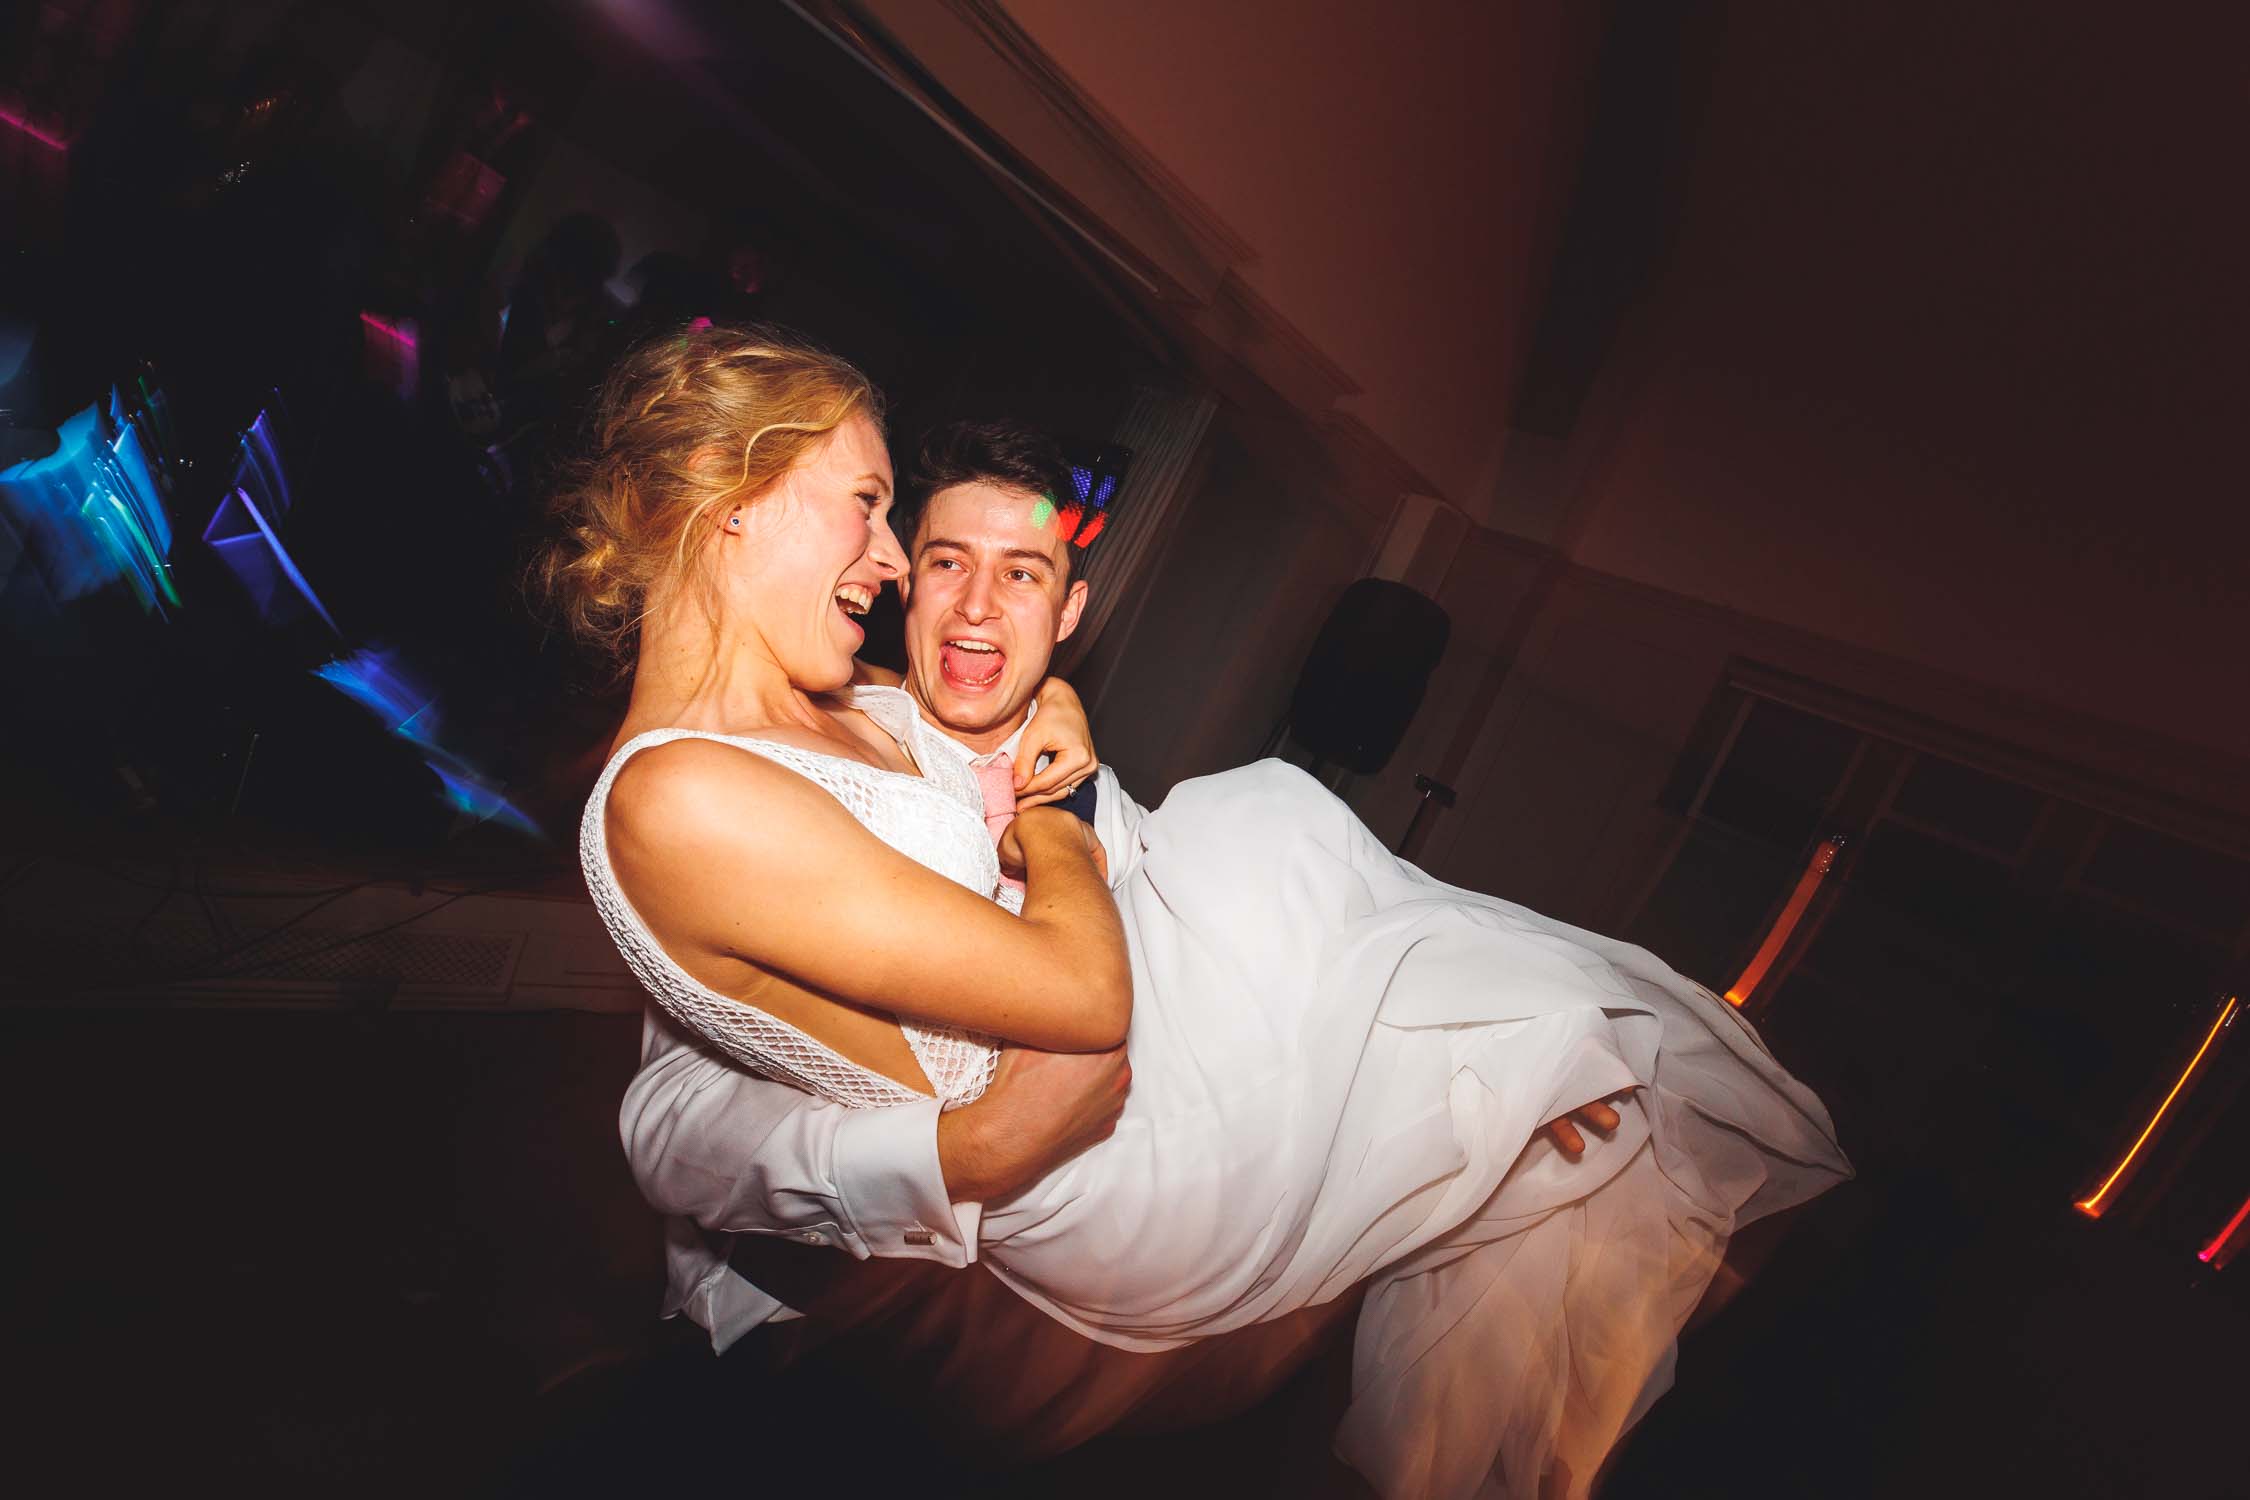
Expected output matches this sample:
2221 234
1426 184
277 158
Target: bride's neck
691 674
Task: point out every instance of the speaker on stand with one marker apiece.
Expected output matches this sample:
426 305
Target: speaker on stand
1362 683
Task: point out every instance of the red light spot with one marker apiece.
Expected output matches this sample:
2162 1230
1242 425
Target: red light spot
2218 1243
388 330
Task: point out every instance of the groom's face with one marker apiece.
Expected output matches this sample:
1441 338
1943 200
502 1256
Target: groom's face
988 595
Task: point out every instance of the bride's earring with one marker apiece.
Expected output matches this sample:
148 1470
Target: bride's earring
735 522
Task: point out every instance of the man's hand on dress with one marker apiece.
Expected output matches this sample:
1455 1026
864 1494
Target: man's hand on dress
1597 1116
1041 1109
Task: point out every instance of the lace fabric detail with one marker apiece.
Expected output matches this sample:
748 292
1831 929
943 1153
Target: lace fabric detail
935 819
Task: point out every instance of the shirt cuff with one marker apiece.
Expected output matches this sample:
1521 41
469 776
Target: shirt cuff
728 1306
891 1187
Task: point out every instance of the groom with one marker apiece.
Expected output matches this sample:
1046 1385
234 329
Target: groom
748 1170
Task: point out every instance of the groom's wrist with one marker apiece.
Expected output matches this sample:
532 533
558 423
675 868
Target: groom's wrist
969 1158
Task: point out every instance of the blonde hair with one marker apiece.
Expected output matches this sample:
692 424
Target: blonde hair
640 504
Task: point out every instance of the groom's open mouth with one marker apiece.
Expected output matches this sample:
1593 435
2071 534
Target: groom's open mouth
971 664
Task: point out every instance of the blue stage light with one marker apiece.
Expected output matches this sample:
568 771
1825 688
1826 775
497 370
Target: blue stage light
91 513
381 682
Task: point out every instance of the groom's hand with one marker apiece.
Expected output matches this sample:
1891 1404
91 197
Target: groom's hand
1595 1116
1042 1109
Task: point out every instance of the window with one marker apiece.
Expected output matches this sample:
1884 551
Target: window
1996 939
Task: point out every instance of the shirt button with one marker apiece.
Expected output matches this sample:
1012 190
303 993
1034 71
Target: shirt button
814 1237
921 1237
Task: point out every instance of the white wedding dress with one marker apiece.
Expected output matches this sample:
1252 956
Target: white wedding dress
1340 1070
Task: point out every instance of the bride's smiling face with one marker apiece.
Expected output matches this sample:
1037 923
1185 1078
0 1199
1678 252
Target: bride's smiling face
800 563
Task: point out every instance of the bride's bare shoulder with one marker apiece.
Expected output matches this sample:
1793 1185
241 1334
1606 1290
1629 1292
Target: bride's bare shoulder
691 790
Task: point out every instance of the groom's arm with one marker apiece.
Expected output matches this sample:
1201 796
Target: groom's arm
738 1154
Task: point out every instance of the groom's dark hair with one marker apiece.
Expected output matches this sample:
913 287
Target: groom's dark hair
1011 455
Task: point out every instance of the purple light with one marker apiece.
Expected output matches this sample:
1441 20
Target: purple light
239 533
261 455
242 530
390 330
17 122
393 354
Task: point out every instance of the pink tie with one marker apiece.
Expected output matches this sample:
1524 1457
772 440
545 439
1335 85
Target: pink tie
997 780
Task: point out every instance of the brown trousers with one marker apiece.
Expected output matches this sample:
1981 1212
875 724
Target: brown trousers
996 1379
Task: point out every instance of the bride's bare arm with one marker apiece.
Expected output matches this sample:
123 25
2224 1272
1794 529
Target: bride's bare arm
727 855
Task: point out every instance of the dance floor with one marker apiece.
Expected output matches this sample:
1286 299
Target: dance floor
387 1253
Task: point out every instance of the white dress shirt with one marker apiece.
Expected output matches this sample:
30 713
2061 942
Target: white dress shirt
721 1151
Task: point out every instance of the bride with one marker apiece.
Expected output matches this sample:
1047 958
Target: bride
1340 1065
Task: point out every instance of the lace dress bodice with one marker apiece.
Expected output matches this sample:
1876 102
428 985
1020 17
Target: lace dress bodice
935 819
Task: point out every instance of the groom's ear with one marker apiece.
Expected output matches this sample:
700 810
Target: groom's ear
1074 605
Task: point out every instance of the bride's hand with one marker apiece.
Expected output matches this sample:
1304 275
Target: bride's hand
1059 730
1596 1116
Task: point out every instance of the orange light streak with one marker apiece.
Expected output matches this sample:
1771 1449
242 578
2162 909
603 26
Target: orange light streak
1792 912
2212 1253
2092 1205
